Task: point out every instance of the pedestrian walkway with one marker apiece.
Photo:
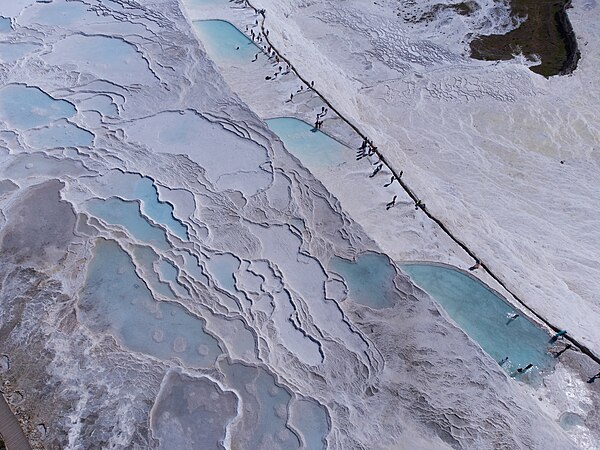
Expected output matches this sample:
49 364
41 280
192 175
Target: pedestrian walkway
10 430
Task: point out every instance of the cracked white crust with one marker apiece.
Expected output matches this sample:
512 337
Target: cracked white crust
403 375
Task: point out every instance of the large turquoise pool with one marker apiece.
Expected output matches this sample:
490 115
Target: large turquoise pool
485 317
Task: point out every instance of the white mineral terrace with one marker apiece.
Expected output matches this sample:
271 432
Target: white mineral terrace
185 263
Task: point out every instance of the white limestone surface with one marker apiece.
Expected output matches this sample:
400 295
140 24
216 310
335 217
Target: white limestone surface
480 142
153 266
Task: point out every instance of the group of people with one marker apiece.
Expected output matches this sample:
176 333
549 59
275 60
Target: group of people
262 12
552 340
363 150
323 113
519 370
560 334
272 55
367 148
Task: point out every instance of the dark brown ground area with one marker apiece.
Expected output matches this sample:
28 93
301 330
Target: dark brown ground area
547 32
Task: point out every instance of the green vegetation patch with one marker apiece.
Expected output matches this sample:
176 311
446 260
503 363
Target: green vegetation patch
546 33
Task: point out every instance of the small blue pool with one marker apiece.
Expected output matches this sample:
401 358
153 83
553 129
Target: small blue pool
370 279
224 43
5 25
313 148
26 107
485 317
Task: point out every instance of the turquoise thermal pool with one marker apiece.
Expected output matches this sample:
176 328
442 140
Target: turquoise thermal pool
260 393
311 420
27 107
485 317
160 212
313 148
116 300
222 267
59 134
5 25
127 214
132 186
12 51
224 42
370 279
56 13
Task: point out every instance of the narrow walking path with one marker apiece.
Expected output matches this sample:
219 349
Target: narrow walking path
10 430
418 202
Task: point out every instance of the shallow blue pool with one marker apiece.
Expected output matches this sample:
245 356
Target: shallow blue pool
224 42
269 404
370 279
59 14
484 316
5 25
310 418
13 51
127 214
26 107
313 148
116 301
59 134
160 212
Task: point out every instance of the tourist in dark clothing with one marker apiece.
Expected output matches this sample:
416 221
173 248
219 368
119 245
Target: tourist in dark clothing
376 171
554 338
594 378
391 204
524 369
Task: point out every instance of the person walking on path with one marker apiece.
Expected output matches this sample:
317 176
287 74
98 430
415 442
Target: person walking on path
391 204
475 266
567 347
594 378
554 338
391 181
376 171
